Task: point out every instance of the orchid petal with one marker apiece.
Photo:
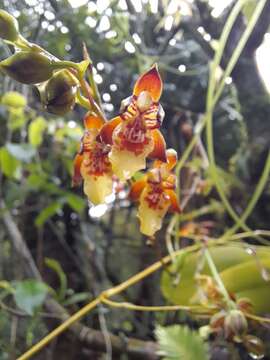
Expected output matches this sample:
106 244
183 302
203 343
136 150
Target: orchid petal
151 217
175 206
170 161
137 188
171 155
97 188
108 128
77 177
126 163
159 151
92 122
151 82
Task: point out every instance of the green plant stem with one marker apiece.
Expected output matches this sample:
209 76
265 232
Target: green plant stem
218 280
240 46
211 104
222 43
253 201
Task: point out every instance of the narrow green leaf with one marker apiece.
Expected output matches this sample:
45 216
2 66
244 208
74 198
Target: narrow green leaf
55 266
48 212
75 202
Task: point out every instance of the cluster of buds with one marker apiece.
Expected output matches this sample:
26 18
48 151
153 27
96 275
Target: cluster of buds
111 151
32 65
233 326
119 148
228 322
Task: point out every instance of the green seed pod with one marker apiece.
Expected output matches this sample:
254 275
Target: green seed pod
235 324
60 93
28 67
9 28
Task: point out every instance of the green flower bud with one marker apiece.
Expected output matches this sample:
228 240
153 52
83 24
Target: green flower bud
28 67
235 324
9 28
60 93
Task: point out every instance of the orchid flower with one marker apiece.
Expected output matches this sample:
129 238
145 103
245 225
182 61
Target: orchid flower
134 134
156 195
92 163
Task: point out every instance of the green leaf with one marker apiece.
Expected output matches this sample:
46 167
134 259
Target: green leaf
178 342
17 118
36 130
75 202
29 295
8 163
227 259
48 212
36 181
55 266
13 99
23 152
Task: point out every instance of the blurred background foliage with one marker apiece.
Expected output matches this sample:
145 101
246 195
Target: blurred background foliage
80 250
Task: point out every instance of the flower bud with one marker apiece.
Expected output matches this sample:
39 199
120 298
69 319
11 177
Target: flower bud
9 29
60 93
235 324
28 67
254 346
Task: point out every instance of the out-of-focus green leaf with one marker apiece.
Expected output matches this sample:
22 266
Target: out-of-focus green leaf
23 152
17 118
13 99
75 202
29 295
181 343
55 266
36 181
48 212
8 163
36 130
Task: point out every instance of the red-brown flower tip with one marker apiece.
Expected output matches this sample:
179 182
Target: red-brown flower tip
108 128
92 121
137 188
77 177
159 151
175 206
151 82
171 155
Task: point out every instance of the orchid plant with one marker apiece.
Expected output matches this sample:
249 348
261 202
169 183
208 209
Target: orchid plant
130 150
110 151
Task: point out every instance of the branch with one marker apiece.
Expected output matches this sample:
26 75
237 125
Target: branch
94 339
